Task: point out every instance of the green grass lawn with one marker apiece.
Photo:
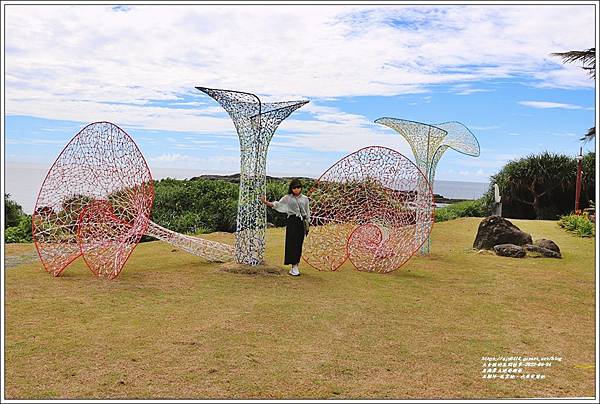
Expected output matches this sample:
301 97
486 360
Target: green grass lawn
174 326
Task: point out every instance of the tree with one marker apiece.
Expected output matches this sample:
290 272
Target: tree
541 186
588 60
586 57
12 212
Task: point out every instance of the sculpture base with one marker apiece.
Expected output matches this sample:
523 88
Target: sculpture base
255 270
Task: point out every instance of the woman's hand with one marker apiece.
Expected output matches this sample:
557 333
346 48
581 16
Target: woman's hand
263 199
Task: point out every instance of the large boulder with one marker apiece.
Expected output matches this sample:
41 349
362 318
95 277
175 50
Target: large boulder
538 251
549 244
510 250
494 230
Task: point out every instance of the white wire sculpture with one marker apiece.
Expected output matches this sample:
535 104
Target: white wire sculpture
430 142
209 250
373 207
255 123
96 201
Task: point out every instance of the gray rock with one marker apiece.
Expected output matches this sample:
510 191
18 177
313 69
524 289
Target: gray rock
510 250
495 230
541 251
549 244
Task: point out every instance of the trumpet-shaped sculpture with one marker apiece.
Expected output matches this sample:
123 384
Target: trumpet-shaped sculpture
459 138
96 201
255 123
429 142
372 207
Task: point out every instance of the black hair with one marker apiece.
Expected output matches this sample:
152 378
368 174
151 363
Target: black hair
295 183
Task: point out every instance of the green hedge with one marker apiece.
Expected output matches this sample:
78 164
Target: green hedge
476 208
21 233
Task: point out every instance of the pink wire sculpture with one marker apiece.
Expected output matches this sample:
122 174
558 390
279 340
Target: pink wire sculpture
373 207
96 201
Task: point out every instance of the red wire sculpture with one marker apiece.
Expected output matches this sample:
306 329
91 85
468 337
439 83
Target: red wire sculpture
373 207
95 200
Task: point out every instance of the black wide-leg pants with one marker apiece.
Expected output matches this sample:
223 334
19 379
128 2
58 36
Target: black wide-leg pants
294 237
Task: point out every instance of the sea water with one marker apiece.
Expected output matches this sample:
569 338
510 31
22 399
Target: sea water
460 189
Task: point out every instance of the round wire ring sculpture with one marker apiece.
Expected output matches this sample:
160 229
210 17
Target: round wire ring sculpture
373 207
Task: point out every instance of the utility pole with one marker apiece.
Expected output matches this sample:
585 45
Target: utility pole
578 182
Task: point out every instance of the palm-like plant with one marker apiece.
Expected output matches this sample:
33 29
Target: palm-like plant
588 60
586 57
536 186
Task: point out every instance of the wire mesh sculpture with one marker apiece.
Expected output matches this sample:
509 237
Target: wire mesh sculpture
429 142
373 207
96 201
255 123
209 250
458 138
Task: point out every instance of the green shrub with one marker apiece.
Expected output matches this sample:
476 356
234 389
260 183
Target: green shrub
474 208
12 212
203 205
195 206
21 233
578 225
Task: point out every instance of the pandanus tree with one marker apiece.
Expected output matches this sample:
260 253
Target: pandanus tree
588 60
537 186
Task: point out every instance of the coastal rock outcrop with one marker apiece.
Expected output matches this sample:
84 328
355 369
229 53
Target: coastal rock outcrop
496 230
549 244
537 251
510 250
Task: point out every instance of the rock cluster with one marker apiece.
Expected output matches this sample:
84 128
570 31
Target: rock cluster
504 238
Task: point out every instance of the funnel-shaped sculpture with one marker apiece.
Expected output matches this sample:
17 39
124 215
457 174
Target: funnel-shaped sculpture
459 138
429 142
96 201
255 123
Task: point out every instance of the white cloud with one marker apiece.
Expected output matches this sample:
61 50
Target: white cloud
116 63
168 157
69 60
548 104
467 89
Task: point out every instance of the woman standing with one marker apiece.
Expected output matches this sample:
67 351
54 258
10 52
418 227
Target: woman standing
298 216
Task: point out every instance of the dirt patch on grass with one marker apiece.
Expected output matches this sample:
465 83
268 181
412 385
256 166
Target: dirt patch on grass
16 260
258 270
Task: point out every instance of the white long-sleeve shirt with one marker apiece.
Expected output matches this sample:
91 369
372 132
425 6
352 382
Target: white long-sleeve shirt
293 206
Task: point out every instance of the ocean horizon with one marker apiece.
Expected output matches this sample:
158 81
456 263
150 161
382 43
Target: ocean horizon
460 189
23 182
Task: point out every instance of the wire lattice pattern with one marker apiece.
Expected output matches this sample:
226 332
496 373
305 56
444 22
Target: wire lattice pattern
430 142
372 207
96 202
101 179
458 138
209 250
255 123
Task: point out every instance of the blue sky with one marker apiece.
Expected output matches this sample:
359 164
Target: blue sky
486 66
